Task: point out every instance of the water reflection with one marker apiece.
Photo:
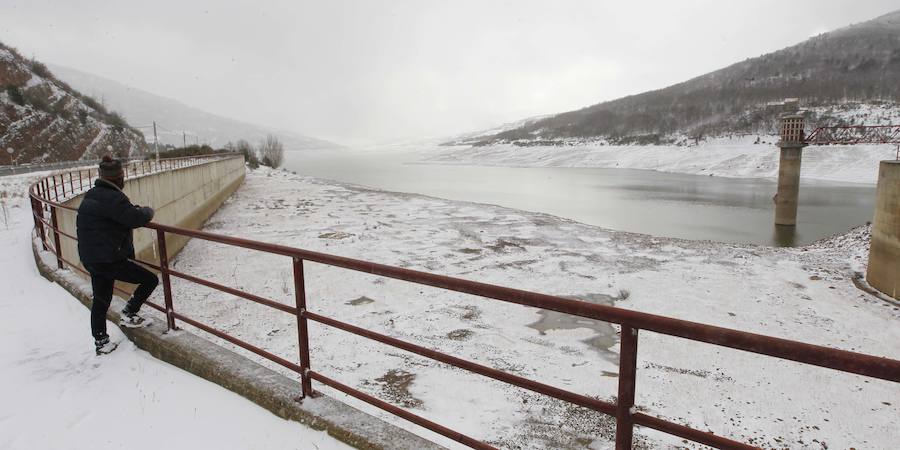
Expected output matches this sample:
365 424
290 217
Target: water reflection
656 203
784 235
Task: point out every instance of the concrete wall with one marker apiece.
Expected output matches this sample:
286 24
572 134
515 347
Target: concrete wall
183 197
786 198
884 252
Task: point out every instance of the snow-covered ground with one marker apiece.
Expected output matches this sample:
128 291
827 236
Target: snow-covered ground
737 157
805 294
55 393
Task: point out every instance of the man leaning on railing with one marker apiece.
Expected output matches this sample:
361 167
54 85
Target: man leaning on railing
104 225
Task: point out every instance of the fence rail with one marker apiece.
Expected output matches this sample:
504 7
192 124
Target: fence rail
37 167
46 199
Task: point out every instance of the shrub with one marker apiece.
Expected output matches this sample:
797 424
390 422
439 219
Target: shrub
38 98
41 70
115 120
15 95
249 153
93 104
272 152
190 150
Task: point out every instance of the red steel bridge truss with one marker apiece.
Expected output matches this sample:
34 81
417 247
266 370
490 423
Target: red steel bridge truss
855 134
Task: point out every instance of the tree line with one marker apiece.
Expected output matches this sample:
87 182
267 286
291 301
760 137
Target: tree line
269 152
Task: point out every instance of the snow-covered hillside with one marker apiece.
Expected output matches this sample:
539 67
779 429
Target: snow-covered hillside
176 121
45 120
57 394
806 294
740 157
860 62
475 135
736 156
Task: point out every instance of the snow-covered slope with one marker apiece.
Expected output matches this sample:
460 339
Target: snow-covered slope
44 120
175 118
476 135
56 394
736 157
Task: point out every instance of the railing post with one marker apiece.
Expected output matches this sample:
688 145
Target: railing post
43 229
53 218
167 283
39 205
627 379
38 225
302 330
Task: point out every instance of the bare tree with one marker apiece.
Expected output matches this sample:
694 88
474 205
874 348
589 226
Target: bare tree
271 152
249 153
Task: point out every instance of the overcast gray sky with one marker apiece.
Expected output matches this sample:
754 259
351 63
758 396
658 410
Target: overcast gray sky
366 71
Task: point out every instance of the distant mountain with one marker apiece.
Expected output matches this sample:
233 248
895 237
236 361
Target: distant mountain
477 135
859 64
45 120
177 122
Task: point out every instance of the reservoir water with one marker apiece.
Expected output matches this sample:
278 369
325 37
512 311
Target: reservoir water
661 204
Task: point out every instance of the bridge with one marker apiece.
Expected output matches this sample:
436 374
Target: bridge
855 134
883 271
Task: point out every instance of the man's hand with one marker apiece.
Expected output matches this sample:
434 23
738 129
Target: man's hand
148 211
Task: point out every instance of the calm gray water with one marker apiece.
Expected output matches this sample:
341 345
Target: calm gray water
641 201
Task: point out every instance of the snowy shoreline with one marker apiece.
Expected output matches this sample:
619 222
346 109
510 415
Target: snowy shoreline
806 294
737 157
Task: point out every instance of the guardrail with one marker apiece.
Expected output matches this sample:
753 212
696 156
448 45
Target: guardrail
36 167
630 321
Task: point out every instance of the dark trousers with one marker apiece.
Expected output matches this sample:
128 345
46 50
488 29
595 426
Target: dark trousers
103 275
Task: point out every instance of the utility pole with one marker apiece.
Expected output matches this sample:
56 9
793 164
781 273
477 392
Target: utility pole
155 141
183 139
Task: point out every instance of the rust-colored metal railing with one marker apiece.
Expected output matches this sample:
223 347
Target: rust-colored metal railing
631 323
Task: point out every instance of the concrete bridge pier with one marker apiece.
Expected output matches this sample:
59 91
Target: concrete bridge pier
791 144
884 250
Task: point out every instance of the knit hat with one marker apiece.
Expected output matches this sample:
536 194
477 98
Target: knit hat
111 168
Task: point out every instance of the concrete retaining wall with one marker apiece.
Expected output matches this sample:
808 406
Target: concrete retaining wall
884 252
183 197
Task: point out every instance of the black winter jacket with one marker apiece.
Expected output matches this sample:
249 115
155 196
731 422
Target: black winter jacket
105 220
